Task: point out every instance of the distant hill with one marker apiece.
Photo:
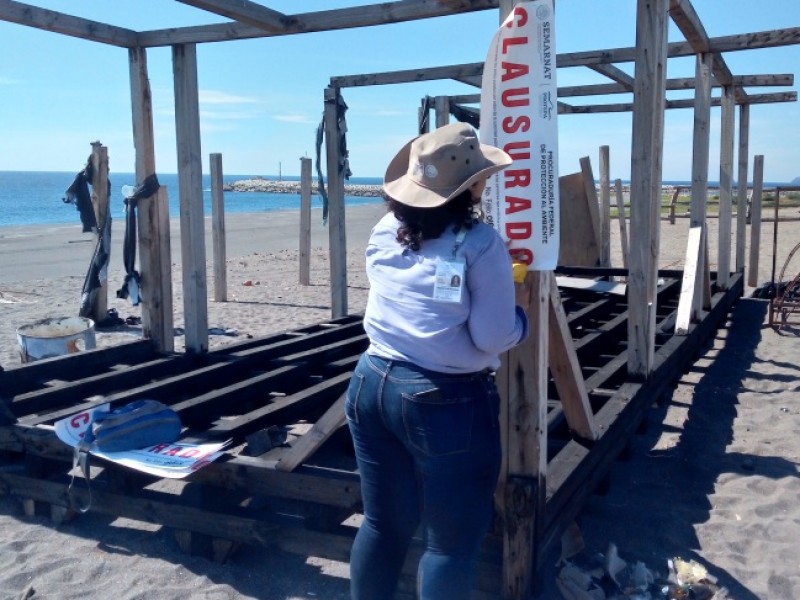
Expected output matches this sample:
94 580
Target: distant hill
796 181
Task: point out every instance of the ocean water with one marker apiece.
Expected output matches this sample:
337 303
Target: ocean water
36 197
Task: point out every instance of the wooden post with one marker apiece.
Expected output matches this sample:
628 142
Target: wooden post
591 197
336 209
701 136
673 204
441 106
190 177
605 208
305 221
646 156
424 116
623 224
524 380
218 230
155 261
755 219
100 200
725 186
741 187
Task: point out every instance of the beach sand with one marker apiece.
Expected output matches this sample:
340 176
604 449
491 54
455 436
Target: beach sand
713 477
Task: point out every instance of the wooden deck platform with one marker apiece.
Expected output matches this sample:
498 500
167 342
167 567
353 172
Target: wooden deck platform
266 393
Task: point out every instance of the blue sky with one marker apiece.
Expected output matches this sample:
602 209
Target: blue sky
261 100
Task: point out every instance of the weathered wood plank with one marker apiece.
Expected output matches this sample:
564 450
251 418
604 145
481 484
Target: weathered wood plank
323 429
218 229
190 176
50 20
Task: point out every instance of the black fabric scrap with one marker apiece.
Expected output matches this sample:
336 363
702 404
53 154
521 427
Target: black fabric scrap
132 282
78 194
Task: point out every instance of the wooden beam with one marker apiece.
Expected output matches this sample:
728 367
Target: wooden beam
190 178
564 108
616 74
336 208
687 20
310 442
682 83
50 20
244 11
326 20
646 157
729 43
218 229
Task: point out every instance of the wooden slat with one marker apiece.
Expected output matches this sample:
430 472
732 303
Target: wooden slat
692 276
290 407
309 442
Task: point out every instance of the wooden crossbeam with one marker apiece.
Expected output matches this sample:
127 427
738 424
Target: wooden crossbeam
244 11
50 20
325 20
616 74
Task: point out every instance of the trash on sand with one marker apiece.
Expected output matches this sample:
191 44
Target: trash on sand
609 577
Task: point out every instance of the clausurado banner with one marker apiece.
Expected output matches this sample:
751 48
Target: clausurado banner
519 114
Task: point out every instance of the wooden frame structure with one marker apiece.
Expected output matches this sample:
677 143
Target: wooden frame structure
562 430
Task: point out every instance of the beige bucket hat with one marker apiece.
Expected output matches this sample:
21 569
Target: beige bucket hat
435 167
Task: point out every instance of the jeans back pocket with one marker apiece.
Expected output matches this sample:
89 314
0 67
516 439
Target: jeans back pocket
437 424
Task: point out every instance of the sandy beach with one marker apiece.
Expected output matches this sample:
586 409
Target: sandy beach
712 478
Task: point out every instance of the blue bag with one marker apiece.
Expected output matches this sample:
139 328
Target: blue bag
140 424
136 425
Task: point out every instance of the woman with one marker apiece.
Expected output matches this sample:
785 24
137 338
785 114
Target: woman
422 405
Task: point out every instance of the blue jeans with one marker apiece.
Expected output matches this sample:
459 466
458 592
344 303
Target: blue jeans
428 451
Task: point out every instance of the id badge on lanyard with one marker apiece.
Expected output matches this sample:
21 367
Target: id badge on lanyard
448 283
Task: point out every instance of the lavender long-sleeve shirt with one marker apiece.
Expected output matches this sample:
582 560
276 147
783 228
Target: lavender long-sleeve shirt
405 322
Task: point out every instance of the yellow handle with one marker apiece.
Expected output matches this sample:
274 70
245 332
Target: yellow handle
520 271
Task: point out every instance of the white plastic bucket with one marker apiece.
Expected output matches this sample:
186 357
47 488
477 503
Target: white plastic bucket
55 337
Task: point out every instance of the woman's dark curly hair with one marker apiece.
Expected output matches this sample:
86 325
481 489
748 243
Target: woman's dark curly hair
419 224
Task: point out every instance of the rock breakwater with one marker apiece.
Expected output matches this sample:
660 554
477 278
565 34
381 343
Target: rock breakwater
293 187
